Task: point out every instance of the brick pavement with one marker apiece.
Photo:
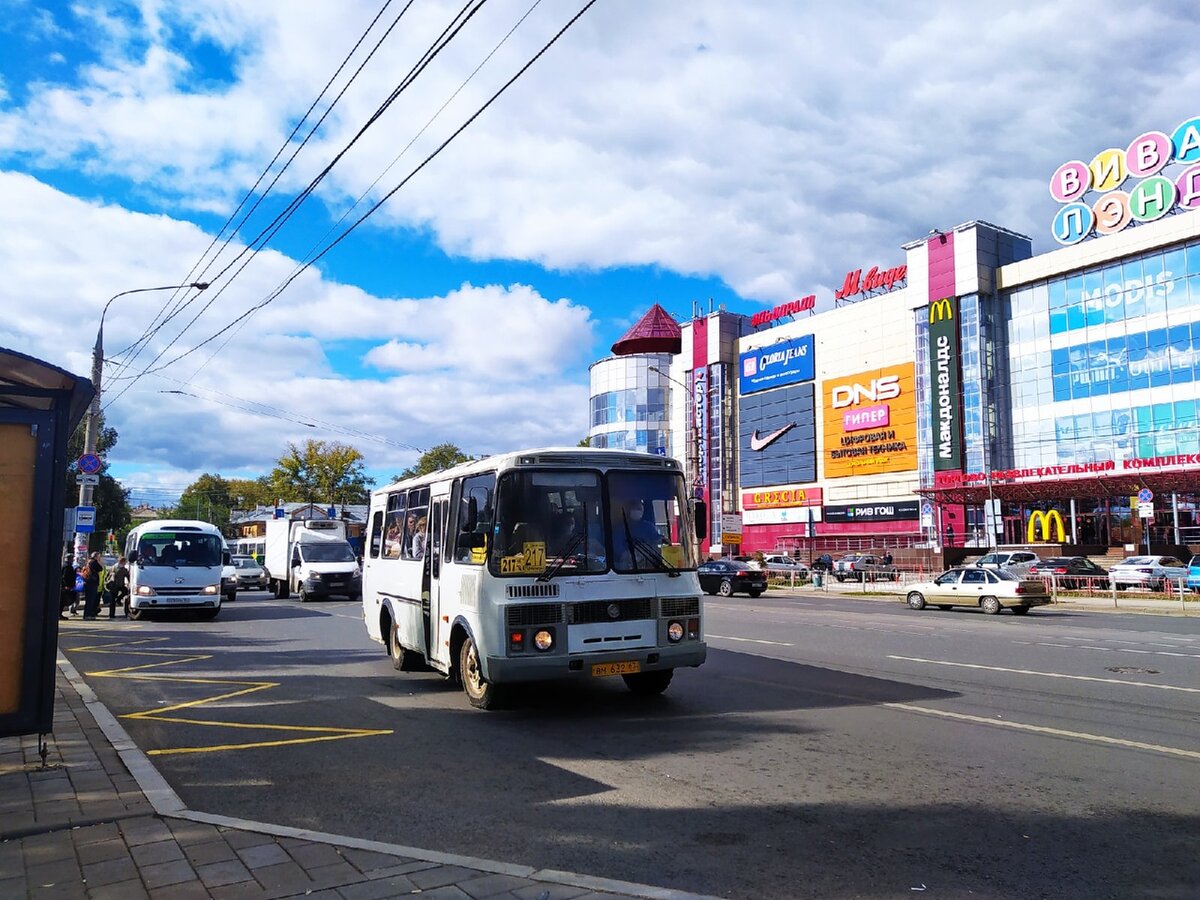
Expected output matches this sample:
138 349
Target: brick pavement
83 827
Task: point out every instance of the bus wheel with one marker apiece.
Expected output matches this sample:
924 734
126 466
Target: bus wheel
130 613
403 659
649 684
481 693
207 615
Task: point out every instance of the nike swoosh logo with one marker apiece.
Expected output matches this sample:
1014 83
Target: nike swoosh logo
761 443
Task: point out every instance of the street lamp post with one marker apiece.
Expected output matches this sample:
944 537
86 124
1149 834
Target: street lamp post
91 432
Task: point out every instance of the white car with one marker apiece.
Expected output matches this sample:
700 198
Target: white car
786 564
1016 561
990 590
1147 572
229 582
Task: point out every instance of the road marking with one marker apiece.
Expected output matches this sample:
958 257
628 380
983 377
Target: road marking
312 733
942 662
1043 729
1110 649
725 637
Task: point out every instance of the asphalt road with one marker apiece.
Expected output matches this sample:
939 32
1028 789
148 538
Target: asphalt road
829 748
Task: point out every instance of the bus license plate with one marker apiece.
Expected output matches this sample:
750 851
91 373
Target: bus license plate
617 668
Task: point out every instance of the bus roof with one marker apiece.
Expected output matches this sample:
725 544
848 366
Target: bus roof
542 456
177 525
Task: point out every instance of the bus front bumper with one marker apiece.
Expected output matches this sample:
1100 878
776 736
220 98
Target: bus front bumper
550 667
189 601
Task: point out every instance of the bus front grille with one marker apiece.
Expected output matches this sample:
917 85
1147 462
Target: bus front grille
529 591
680 606
603 611
534 614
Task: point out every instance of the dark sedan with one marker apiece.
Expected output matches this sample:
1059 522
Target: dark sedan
1070 572
726 577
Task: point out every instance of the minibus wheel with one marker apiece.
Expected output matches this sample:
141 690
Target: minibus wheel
481 694
131 613
649 684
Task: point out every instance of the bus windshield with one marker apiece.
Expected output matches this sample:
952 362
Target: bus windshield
555 521
322 552
177 548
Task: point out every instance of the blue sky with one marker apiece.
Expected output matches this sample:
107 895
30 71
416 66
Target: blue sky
659 152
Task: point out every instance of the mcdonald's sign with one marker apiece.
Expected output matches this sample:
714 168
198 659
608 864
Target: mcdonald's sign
1048 520
944 381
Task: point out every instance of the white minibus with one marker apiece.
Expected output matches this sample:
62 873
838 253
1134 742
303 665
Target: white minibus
175 564
538 565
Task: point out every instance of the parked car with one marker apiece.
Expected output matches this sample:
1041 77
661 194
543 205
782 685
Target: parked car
731 576
990 590
229 582
751 561
250 575
786 564
1071 572
1148 572
1016 561
1194 574
864 567
823 563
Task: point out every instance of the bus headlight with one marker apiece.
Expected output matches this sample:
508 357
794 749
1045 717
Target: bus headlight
675 632
543 640
146 591
211 589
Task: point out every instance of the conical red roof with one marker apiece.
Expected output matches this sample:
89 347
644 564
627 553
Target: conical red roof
655 332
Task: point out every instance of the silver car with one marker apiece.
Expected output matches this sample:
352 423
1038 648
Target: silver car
250 575
1151 573
1016 561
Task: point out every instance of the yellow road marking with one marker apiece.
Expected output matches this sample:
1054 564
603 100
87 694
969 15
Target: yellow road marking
1042 729
313 733
1146 684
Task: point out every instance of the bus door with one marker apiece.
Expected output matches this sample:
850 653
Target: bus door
438 514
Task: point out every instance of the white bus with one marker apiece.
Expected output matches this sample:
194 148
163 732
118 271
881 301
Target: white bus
175 564
538 565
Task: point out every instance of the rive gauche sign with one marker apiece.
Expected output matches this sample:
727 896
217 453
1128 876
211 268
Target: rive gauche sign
945 404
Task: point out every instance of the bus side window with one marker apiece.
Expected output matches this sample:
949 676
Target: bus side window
376 533
470 543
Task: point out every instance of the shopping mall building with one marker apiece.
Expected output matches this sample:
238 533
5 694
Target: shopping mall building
967 393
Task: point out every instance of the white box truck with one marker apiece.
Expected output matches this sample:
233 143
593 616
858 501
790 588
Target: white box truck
311 558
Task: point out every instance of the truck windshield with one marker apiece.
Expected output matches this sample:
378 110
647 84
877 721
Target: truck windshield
575 522
177 548
331 552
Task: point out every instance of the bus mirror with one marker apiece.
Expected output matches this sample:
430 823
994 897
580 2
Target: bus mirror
225 558
472 540
472 515
700 514
133 557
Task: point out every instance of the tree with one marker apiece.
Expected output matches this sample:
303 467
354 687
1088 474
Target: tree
247 493
110 499
206 498
585 442
443 456
321 472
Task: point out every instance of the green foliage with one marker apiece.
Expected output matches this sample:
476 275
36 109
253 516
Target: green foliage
247 493
435 459
320 472
110 499
207 498
586 442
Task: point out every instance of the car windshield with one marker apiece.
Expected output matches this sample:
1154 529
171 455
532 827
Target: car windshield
177 549
579 522
322 552
245 563
1138 561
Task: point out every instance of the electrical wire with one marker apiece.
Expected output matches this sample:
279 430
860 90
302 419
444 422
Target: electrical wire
436 152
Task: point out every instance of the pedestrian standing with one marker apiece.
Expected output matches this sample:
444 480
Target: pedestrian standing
92 571
118 587
66 588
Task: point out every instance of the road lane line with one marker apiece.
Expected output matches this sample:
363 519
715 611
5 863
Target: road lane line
725 637
942 662
1043 729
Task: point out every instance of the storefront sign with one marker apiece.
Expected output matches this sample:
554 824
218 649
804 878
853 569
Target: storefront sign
874 512
945 402
876 279
700 410
777 437
1152 198
1048 522
788 515
777 365
781 497
854 406
804 304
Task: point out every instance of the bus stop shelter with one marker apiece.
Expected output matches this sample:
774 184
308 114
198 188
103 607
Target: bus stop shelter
40 405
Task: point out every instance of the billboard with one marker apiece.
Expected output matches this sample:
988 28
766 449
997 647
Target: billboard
777 365
777 437
874 512
870 422
944 385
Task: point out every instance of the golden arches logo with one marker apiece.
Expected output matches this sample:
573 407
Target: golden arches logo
1047 520
940 309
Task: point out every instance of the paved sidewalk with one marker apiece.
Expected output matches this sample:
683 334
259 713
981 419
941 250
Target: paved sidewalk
99 822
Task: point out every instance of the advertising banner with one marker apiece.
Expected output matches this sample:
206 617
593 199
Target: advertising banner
944 384
777 365
790 515
779 498
870 422
875 512
777 439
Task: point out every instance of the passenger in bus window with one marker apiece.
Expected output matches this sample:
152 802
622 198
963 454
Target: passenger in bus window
391 541
406 541
418 541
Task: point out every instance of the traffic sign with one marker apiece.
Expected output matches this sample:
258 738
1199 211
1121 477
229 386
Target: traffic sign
87 479
1146 510
89 463
1145 495
85 519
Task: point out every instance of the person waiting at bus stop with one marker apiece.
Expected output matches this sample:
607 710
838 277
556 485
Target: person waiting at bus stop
118 587
93 569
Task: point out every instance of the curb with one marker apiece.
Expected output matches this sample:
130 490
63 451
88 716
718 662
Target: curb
1069 604
166 802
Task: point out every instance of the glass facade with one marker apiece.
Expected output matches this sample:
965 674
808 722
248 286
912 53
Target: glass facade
630 403
1096 357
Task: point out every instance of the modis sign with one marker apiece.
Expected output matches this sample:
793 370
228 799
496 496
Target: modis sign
870 423
1150 199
